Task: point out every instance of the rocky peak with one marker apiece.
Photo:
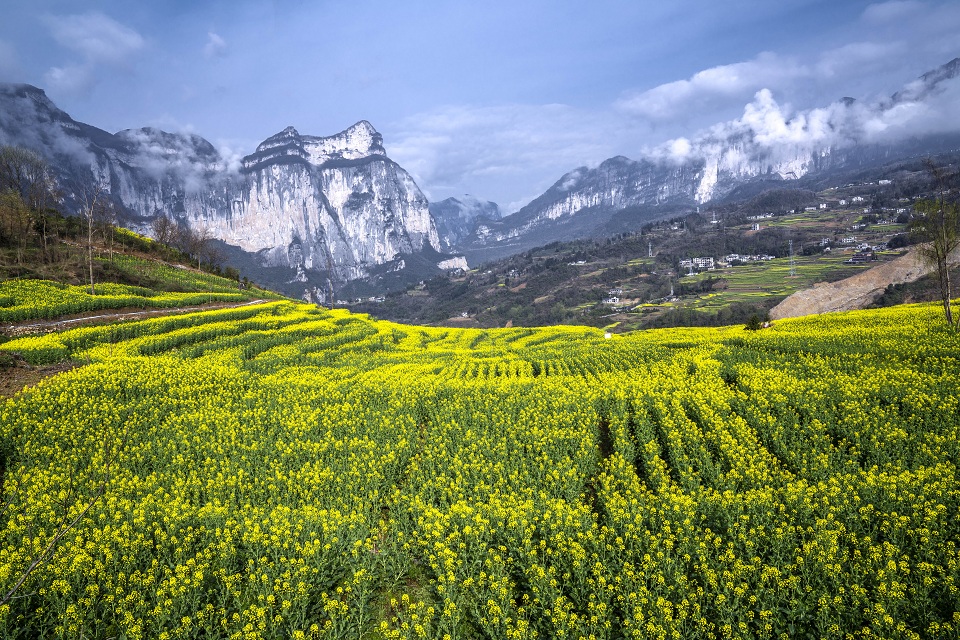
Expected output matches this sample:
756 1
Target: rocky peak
359 141
354 143
928 83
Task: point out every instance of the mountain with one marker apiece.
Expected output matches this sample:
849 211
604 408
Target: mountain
584 203
308 214
458 218
769 146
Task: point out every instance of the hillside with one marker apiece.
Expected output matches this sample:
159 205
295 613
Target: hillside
720 266
46 285
287 471
858 291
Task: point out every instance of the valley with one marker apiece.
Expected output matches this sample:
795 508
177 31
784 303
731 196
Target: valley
648 278
274 385
280 470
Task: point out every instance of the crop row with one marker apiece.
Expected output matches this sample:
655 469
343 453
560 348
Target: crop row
280 471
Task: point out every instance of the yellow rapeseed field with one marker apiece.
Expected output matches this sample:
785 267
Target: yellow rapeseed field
284 471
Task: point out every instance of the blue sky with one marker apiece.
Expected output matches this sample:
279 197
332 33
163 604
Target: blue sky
495 98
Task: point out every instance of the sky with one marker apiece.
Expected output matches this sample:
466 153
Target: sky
497 99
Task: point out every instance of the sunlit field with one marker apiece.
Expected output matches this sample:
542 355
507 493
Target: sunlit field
284 471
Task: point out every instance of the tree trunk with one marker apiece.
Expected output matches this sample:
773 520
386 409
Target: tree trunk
90 254
947 294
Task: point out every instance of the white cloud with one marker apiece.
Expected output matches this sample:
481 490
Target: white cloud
713 85
892 40
216 46
99 40
857 58
886 12
498 152
776 132
97 37
73 79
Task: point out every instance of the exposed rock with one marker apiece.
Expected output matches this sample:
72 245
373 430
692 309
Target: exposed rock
323 207
857 291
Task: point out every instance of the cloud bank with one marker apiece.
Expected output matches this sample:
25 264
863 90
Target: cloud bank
460 149
769 129
100 41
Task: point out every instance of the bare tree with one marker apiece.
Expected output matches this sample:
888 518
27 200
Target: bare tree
45 193
163 229
20 170
200 242
938 222
106 216
93 198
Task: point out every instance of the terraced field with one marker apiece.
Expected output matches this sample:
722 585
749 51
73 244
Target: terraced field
284 471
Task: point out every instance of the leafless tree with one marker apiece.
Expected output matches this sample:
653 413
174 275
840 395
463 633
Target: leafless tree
200 244
21 170
938 222
106 219
164 229
45 194
14 221
93 198
26 175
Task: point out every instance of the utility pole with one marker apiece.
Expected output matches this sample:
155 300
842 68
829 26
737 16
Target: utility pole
793 264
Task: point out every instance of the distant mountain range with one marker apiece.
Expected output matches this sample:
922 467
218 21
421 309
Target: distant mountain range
314 216
768 147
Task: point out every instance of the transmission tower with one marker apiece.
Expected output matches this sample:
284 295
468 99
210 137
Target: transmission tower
649 249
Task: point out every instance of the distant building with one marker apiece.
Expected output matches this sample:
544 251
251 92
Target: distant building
885 182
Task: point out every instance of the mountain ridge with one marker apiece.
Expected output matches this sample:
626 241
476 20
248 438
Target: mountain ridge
315 211
767 144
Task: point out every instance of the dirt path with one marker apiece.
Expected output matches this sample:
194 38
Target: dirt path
19 375
99 317
16 374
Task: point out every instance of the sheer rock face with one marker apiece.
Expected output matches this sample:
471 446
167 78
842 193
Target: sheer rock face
337 205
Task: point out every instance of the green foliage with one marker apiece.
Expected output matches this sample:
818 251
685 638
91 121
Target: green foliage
754 323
